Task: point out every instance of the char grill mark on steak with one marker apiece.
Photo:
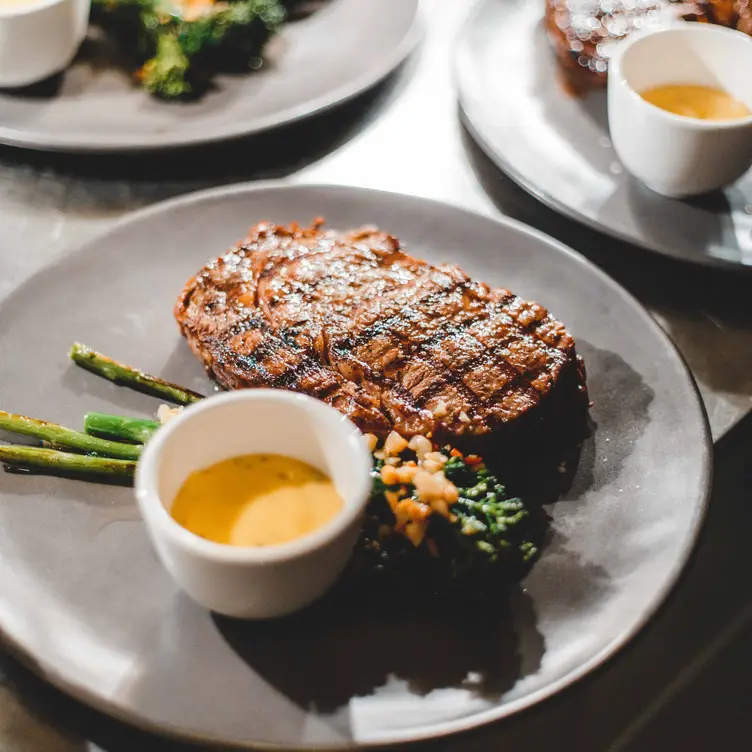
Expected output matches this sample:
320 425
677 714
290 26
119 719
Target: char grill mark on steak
393 345
447 371
240 348
386 338
234 364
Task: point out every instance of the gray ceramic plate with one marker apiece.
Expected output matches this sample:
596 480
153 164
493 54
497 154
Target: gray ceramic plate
558 148
84 599
334 54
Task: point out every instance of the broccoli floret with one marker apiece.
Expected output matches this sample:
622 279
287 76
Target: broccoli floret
165 74
231 36
183 53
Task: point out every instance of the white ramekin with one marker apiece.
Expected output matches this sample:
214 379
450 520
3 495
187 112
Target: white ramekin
39 39
252 582
673 155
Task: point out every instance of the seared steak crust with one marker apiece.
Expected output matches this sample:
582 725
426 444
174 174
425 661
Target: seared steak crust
389 340
584 33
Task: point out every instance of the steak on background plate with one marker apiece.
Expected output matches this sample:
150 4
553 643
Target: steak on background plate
583 33
389 340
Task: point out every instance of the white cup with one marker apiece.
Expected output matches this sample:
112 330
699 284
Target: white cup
673 155
254 582
39 39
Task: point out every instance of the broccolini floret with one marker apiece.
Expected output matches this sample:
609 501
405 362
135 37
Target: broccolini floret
244 24
181 48
165 73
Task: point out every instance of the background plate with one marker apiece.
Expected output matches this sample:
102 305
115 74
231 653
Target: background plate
558 148
336 53
83 598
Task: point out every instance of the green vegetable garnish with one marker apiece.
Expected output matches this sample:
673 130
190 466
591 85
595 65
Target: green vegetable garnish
491 542
484 540
178 49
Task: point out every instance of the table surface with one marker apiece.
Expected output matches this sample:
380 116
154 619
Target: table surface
681 684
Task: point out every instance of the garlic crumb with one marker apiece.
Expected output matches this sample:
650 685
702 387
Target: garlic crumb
420 445
165 413
395 443
389 475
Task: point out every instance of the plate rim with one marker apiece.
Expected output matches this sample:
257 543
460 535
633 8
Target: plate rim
447 728
545 198
34 140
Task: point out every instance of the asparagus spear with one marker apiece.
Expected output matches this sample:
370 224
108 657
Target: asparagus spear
61 436
64 463
137 430
132 377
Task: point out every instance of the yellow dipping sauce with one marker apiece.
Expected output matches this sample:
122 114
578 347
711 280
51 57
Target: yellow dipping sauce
701 102
256 500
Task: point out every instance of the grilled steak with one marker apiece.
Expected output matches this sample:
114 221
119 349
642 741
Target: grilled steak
389 340
583 32
736 14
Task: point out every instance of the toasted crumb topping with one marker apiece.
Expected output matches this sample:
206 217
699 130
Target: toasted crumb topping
417 488
165 413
